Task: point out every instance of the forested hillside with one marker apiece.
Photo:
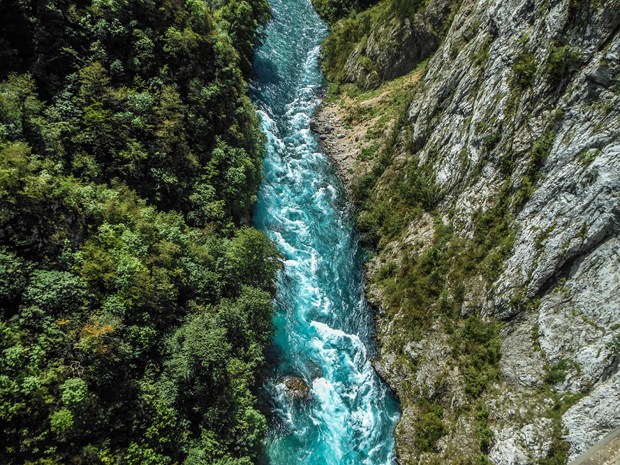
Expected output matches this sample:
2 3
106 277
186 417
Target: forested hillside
135 302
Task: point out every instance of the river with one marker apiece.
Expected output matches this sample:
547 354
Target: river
323 323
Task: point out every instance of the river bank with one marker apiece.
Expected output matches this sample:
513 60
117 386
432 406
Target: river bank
353 127
338 140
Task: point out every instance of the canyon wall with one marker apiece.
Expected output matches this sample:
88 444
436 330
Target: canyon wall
488 185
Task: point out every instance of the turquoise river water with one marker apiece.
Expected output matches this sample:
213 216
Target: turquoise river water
323 324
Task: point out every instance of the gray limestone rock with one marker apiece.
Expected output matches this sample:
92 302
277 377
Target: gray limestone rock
594 416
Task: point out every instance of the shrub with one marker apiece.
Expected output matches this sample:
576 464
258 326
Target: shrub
557 372
524 71
428 427
562 61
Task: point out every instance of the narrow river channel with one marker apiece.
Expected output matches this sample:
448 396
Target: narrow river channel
323 323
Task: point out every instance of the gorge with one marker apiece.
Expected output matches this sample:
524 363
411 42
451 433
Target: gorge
481 143
338 232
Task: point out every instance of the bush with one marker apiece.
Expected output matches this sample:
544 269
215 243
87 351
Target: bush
333 10
524 72
428 427
478 347
562 62
557 372
341 42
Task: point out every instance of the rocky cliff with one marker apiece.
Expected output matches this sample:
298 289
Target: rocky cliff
488 183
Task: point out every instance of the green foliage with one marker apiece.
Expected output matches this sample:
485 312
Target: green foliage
13 278
562 62
242 20
74 393
483 52
407 8
484 431
353 22
333 10
342 40
58 292
557 372
135 309
428 426
536 158
478 352
158 101
418 187
61 421
250 259
524 71
558 453
587 156
81 333
490 141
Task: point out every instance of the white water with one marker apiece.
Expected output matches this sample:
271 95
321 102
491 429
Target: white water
323 322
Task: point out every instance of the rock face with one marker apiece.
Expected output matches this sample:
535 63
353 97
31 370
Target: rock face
342 150
594 416
520 104
395 45
605 452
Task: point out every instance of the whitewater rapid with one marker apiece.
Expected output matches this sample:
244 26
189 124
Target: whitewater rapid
323 323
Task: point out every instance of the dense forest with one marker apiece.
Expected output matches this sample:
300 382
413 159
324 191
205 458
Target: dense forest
135 301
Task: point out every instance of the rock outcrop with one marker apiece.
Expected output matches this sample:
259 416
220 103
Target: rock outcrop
387 41
396 45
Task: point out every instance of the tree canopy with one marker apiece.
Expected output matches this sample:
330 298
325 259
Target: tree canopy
135 302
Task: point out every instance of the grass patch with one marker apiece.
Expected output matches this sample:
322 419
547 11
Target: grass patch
587 156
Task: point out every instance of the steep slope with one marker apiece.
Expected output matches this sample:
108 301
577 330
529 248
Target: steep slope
385 41
492 204
135 303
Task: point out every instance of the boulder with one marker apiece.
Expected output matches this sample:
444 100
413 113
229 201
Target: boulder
296 387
